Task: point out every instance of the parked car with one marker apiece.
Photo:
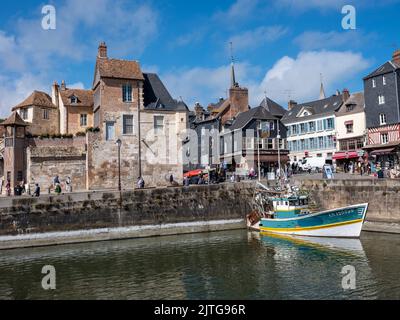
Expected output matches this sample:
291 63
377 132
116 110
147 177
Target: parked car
315 164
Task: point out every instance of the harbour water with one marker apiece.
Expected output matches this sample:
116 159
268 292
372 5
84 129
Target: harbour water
222 265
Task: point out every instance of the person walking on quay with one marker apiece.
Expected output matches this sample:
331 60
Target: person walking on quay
36 193
140 183
8 188
171 179
68 185
58 189
186 181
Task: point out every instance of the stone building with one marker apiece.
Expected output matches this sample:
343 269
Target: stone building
311 128
75 108
137 109
126 105
254 136
382 109
350 129
39 113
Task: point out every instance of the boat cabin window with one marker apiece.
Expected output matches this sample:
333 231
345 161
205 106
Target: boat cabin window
294 203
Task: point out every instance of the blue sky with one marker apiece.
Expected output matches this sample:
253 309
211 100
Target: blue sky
280 47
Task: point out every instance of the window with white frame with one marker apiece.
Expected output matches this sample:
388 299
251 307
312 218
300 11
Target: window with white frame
373 83
382 119
381 99
384 80
83 120
158 124
24 114
384 138
127 93
127 124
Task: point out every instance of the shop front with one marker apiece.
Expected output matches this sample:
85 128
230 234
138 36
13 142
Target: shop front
348 159
384 155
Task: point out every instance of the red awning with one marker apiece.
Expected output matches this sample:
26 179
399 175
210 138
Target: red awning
348 122
193 173
345 155
381 152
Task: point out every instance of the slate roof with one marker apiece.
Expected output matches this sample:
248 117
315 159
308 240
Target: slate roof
37 98
243 118
85 97
275 109
14 119
356 99
119 69
157 97
387 67
317 109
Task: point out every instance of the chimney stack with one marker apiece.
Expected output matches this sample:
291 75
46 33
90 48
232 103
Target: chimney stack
291 104
63 86
199 112
346 95
102 53
396 57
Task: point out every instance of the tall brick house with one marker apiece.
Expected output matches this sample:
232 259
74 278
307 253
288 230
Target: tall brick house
136 108
382 110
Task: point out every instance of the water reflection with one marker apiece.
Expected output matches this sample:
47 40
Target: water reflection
224 265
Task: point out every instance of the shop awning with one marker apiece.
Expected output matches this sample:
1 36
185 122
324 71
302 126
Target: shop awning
347 123
345 155
193 173
382 152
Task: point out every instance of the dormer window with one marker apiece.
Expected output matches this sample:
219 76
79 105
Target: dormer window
74 100
350 107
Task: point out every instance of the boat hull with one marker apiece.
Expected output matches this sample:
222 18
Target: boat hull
338 223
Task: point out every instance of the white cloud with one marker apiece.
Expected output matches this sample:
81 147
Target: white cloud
301 75
252 39
240 10
14 91
314 40
77 85
127 27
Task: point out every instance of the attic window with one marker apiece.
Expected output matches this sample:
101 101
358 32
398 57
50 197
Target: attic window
350 107
74 99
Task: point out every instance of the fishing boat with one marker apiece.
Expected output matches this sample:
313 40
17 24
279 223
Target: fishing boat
289 212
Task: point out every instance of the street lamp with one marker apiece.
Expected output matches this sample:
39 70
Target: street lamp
119 143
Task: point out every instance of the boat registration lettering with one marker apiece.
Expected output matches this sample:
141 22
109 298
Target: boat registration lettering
340 213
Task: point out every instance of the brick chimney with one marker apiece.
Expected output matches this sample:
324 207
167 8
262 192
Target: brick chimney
291 104
102 52
63 86
198 109
396 57
239 99
346 95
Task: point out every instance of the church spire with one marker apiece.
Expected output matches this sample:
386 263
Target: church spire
322 90
233 76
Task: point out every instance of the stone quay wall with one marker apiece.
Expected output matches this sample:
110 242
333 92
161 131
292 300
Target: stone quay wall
139 208
383 196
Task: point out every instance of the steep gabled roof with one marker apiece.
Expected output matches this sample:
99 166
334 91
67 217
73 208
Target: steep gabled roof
85 97
118 69
357 100
157 97
37 98
243 118
387 67
273 107
14 120
320 108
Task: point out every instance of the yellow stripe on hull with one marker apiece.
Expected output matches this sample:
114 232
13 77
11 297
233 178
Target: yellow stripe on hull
311 228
